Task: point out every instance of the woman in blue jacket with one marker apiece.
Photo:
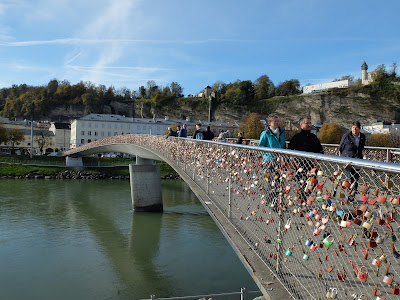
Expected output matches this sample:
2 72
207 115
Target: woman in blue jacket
272 136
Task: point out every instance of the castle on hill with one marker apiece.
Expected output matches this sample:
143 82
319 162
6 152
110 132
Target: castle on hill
366 78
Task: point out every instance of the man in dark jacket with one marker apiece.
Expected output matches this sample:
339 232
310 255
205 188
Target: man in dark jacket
305 140
352 143
208 134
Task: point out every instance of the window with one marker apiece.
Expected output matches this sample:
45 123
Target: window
103 125
115 126
109 126
109 133
115 133
122 126
95 133
83 124
96 125
102 133
82 132
89 140
90 125
82 141
89 132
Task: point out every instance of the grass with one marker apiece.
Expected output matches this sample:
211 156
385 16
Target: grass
16 166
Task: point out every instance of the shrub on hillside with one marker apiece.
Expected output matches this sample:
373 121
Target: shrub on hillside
331 133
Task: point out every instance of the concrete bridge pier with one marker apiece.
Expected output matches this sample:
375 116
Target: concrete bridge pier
145 179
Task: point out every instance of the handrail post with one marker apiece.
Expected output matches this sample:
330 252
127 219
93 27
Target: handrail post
152 297
229 199
280 241
242 293
207 186
387 155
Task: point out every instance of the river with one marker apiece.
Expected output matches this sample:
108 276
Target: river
72 239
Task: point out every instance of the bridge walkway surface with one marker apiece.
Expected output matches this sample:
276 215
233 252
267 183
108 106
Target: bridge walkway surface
307 225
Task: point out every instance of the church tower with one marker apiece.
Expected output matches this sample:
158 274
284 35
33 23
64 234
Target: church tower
364 73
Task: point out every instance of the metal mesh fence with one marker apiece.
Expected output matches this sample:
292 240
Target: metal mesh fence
325 226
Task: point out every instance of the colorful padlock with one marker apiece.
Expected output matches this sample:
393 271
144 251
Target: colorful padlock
328 242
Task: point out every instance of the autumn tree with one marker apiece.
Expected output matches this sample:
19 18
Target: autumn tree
43 139
331 133
251 126
15 136
383 140
3 134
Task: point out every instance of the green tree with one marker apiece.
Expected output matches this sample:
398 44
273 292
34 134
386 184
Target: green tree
263 87
15 136
176 89
288 88
251 126
331 133
142 92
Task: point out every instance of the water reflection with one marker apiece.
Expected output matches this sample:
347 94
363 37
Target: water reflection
80 239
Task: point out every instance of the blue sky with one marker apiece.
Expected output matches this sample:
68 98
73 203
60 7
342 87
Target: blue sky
125 43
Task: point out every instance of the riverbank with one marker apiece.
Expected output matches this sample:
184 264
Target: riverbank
44 168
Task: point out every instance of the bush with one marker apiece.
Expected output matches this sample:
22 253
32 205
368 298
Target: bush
331 133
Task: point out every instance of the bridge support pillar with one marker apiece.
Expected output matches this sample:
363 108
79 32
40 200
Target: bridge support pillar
74 162
145 182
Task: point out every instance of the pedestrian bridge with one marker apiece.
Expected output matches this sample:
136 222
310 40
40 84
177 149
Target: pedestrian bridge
297 223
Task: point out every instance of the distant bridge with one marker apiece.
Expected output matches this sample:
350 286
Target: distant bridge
295 221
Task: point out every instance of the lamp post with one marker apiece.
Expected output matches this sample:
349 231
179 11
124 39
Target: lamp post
32 106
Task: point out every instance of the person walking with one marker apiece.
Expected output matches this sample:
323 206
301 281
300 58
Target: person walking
272 136
198 134
183 132
305 140
208 134
240 138
352 145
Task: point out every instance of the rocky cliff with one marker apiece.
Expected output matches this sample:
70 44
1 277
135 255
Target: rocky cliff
322 107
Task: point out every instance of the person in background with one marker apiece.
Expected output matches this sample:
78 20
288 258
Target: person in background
272 136
305 140
171 132
352 145
240 138
208 134
198 134
183 132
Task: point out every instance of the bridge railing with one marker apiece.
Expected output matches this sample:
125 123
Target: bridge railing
385 154
324 225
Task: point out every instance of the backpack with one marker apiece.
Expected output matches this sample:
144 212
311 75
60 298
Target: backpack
199 136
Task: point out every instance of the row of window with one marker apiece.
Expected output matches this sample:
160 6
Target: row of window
121 126
95 133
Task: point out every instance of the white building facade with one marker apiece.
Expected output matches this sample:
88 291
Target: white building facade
62 136
95 127
308 89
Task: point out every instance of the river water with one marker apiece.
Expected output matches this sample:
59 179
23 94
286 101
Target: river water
74 239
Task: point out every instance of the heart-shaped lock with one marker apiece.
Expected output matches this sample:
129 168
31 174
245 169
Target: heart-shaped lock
325 219
362 275
345 184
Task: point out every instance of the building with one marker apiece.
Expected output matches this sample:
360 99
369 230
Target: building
39 129
62 136
366 78
94 127
206 93
308 89
382 127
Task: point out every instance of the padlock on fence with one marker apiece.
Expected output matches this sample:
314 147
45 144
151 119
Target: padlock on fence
328 242
388 279
362 275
